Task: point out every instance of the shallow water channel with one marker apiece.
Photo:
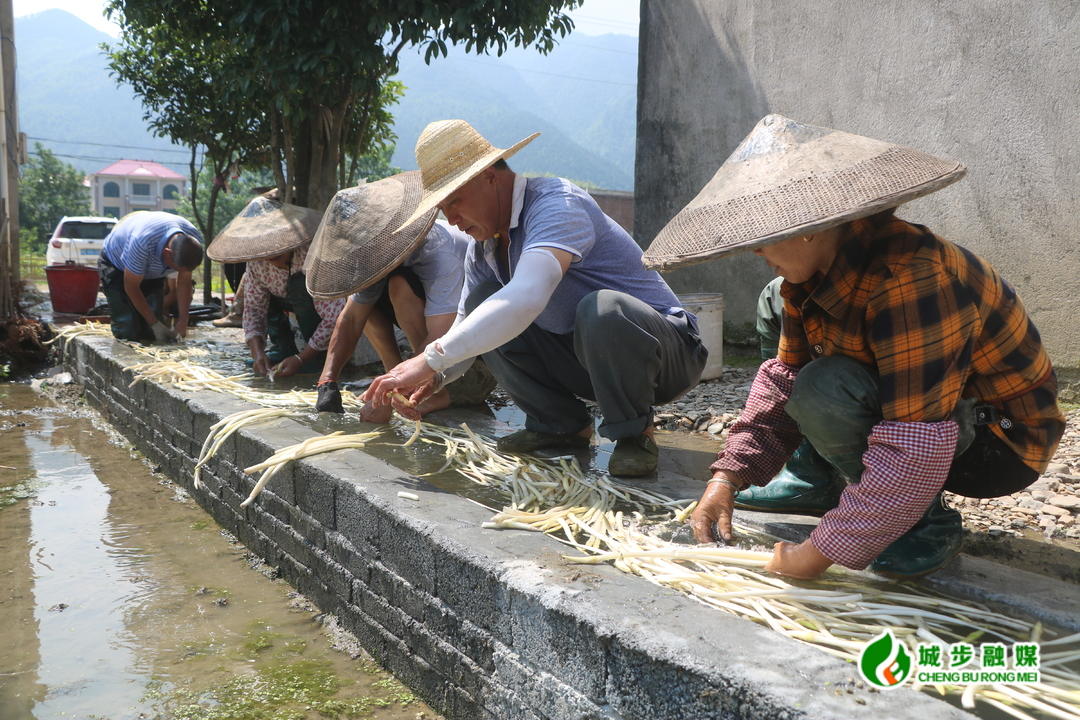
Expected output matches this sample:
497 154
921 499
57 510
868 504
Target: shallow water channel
120 598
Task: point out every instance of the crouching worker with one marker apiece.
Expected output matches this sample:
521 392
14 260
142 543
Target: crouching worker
409 277
135 258
273 239
557 302
906 365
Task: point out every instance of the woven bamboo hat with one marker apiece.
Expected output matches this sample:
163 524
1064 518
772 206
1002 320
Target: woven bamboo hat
449 154
264 228
788 179
361 237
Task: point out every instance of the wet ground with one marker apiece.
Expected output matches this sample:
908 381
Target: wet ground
120 598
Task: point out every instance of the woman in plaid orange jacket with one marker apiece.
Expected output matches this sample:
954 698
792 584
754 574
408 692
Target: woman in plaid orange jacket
906 365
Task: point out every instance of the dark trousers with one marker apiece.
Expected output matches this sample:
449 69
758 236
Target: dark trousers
127 322
836 404
282 342
622 353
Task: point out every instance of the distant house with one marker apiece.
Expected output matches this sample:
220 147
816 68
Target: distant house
129 185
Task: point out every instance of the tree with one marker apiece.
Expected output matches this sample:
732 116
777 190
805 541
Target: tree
180 79
49 189
314 75
231 196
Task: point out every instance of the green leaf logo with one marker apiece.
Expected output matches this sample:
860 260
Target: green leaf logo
885 662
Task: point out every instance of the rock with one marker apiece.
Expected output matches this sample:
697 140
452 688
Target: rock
1068 502
996 530
1024 510
1040 495
1053 510
1006 502
1032 504
1057 468
1017 523
1043 483
716 428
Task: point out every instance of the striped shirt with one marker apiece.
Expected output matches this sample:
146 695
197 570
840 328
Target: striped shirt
263 280
138 240
938 324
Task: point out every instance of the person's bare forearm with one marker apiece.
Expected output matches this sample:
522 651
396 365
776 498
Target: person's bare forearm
184 292
347 330
135 295
257 346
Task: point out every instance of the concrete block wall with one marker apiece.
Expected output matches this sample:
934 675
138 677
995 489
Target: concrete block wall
480 623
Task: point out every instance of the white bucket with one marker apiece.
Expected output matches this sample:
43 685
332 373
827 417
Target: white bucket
709 309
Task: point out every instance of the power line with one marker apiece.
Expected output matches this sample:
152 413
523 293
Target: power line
597 47
541 72
126 147
109 160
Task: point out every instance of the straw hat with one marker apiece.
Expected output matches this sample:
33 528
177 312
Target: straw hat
449 154
264 228
361 237
788 179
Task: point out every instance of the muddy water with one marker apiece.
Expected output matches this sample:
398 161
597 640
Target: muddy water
120 598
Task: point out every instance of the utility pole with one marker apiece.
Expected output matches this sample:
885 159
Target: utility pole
9 169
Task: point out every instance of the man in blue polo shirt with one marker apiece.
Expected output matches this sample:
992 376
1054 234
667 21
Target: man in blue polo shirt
135 258
556 300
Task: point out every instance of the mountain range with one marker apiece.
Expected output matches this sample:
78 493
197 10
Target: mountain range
581 98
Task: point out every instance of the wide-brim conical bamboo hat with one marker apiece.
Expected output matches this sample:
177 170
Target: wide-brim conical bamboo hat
449 154
788 179
362 238
264 228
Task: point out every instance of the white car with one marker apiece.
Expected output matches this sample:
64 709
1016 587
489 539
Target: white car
78 240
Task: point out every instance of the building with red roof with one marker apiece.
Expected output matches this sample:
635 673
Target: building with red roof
129 185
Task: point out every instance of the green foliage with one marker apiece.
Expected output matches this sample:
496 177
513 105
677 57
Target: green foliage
312 75
373 166
49 189
234 195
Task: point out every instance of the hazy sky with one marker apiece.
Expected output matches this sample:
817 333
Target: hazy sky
595 17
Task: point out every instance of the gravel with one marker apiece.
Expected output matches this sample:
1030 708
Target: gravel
1049 508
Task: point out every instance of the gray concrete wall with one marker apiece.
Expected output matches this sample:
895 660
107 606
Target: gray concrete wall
994 84
482 624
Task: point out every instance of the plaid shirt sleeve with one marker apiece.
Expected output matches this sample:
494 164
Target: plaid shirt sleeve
764 436
906 465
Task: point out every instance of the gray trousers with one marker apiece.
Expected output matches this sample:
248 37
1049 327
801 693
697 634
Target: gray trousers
623 354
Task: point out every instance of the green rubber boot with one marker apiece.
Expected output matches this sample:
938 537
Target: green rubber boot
807 485
934 541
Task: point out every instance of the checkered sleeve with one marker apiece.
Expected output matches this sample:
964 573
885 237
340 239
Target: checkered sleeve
256 300
906 465
328 310
764 436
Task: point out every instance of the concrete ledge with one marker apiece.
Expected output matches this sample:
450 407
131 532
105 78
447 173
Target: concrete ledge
480 623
